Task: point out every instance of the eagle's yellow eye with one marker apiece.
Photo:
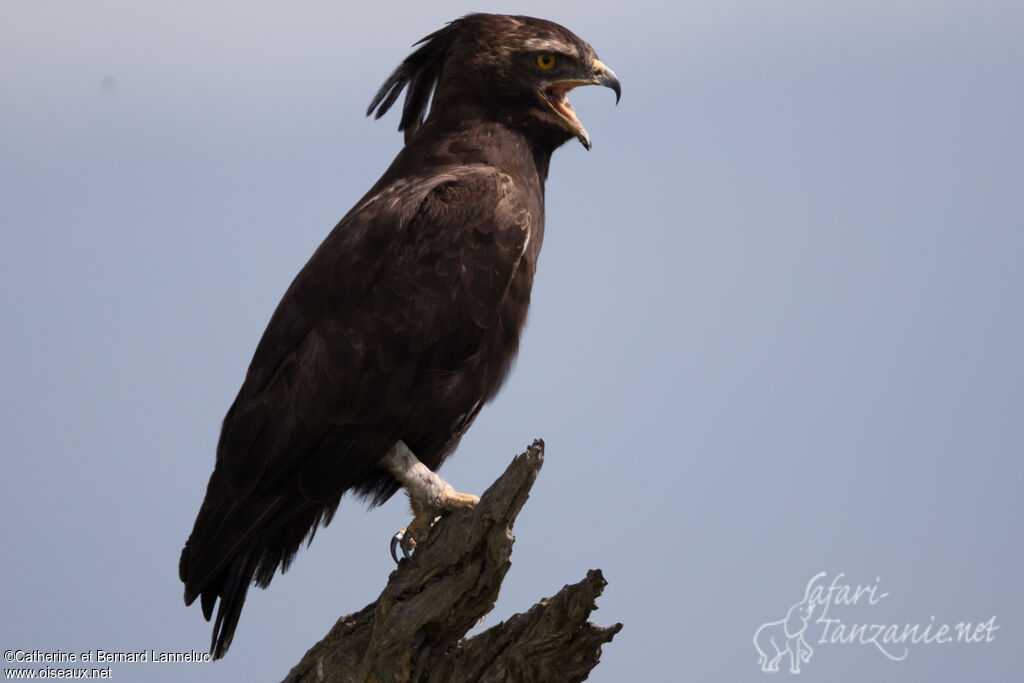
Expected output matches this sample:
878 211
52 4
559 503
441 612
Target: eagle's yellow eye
546 61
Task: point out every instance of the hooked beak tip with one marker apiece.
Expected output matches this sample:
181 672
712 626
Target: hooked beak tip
606 77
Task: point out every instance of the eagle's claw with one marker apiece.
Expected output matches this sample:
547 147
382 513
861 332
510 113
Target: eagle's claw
426 516
400 538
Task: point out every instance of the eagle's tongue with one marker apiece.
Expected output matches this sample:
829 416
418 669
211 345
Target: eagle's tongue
560 101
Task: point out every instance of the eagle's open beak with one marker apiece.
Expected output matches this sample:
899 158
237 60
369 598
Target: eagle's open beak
555 94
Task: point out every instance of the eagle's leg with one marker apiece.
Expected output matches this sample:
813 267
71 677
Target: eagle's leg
429 496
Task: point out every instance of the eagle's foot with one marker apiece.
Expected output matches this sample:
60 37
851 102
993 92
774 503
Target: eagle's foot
448 500
429 495
452 500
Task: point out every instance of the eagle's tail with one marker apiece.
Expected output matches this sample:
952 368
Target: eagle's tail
222 557
231 548
237 542
231 588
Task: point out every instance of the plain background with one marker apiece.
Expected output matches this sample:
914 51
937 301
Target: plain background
777 327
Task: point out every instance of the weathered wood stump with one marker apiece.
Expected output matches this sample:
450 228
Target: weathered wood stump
415 630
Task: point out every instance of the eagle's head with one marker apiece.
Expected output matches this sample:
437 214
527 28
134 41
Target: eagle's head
511 68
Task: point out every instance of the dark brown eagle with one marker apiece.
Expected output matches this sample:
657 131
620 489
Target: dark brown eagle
406 319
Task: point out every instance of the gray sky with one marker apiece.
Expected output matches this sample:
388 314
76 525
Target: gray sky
777 327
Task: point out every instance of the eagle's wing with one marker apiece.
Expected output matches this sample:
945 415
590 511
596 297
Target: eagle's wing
391 304
399 291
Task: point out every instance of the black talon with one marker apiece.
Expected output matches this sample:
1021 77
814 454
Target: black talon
395 540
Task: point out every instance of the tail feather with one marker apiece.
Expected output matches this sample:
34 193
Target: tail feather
239 542
231 589
225 571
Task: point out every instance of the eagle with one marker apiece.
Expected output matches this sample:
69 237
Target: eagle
406 319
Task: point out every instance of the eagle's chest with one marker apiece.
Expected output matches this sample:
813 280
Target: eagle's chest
501 345
474 362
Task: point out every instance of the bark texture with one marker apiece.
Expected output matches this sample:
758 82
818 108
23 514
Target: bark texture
415 630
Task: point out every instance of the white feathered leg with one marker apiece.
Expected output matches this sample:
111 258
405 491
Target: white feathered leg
429 496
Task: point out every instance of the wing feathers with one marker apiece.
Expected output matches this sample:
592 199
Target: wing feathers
390 308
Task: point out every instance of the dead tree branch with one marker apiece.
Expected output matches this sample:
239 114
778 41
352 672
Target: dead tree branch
415 630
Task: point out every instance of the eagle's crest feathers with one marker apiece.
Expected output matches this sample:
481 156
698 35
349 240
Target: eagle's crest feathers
420 71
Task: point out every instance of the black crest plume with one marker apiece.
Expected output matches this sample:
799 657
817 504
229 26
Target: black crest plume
420 71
